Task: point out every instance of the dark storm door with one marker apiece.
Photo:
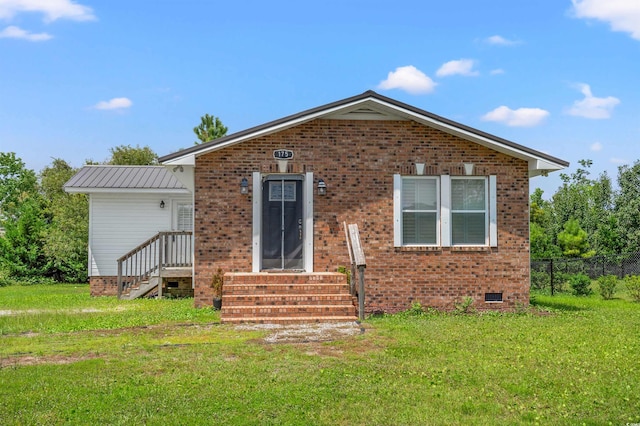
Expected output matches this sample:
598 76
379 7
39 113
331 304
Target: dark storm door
282 233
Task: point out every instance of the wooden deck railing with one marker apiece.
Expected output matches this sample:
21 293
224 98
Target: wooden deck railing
358 264
164 250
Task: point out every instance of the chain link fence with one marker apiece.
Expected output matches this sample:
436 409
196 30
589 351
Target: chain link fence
552 274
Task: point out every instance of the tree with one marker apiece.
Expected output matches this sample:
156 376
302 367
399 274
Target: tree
21 246
128 155
627 206
541 236
15 181
573 240
210 128
67 235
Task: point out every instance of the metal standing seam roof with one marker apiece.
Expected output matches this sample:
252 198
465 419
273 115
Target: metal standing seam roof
104 177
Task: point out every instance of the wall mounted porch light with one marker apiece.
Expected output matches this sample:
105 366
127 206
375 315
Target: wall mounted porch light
162 204
322 187
244 186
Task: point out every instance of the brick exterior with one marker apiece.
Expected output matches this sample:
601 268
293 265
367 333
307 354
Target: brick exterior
103 286
357 160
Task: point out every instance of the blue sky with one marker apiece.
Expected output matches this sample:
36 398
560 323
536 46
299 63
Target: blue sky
80 77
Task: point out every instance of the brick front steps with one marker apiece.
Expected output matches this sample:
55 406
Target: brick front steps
281 298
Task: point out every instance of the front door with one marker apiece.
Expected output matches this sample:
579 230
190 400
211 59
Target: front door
282 223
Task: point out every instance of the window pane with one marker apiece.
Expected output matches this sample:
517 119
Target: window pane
419 228
419 194
185 217
468 194
468 228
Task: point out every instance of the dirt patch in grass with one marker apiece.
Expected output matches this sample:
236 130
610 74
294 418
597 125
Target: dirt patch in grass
305 333
25 360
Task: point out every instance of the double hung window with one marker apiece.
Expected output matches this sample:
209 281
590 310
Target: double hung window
445 211
420 202
469 207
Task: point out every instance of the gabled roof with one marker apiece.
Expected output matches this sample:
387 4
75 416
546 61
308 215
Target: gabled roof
373 106
103 178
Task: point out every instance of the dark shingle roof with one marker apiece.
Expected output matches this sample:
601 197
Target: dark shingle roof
96 178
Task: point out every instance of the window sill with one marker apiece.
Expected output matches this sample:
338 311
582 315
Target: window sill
485 249
419 248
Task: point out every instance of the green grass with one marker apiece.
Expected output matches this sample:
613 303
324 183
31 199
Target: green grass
568 360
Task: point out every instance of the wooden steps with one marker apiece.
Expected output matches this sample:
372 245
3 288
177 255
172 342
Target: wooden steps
281 298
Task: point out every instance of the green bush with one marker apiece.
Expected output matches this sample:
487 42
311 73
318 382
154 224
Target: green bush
540 280
632 282
580 283
607 285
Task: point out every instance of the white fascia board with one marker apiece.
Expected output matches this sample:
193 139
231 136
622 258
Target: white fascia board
542 166
186 160
470 136
125 191
274 129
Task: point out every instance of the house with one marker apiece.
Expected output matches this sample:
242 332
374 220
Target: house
132 206
442 210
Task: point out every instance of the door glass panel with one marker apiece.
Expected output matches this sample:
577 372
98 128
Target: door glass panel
282 223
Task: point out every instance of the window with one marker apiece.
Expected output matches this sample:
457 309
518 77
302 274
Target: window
184 217
419 211
469 208
445 211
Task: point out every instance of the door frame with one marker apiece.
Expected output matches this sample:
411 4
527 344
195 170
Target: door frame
307 214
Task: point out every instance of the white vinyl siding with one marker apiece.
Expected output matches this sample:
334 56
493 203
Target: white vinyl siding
120 222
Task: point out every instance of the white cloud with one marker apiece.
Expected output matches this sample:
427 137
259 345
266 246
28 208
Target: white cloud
501 41
115 103
497 71
16 32
459 67
591 106
51 9
615 160
596 147
521 117
622 15
410 79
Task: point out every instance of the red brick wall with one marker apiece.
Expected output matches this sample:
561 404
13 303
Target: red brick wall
357 160
103 286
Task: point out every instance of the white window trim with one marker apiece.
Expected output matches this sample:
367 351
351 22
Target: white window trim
397 210
485 211
307 212
445 212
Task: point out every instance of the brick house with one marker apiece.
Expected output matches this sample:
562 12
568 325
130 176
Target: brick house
442 209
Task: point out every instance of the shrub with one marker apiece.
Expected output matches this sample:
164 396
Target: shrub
607 285
632 283
466 306
580 284
540 280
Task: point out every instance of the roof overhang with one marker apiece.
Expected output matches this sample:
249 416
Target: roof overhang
372 106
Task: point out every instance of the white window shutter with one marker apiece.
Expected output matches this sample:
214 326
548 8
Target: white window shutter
397 210
445 206
493 212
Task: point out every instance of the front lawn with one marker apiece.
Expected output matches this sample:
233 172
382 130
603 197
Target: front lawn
71 359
